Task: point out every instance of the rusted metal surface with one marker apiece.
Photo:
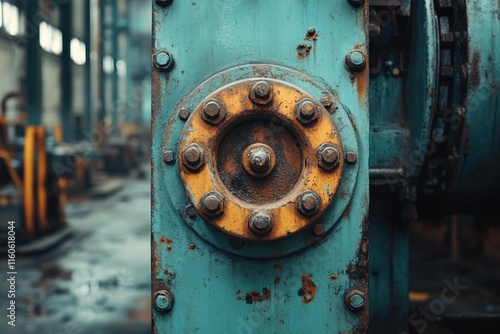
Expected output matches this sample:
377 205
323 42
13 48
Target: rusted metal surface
308 290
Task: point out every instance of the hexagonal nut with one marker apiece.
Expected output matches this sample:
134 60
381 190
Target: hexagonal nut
212 204
328 157
214 112
193 157
163 300
261 92
260 222
307 111
308 203
355 300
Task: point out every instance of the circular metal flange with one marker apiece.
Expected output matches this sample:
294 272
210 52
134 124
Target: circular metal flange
331 218
261 157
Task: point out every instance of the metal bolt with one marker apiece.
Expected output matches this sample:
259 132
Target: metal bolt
212 204
311 32
326 102
328 156
308 203
351 158
261 92
164 3
355 300
163 300
356 3
184 114
260 222
193 157
319 230
168 156
306 111
190 211
163 60
356 61
260 160
213 112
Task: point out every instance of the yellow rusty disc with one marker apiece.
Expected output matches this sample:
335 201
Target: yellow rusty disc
250 149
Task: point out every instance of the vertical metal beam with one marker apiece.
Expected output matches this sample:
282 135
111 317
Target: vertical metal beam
33 80
115 55
66 71
88 70
101 112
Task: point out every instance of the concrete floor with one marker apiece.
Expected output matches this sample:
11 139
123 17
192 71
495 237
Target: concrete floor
96 282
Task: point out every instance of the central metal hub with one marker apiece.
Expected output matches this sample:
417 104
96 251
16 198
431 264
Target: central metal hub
259 160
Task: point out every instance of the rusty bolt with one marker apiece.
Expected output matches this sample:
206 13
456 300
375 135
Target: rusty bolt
214 112
168 156
356 61
193 157
306 111
184 114
212 204
164 3
326 102
319 230
163 60
356 3
328 156
355 300
311 32
351 158
260 222
190 211
163 300
260 159
261 92
308 203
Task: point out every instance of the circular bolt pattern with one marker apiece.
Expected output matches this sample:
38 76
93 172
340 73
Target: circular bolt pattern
351 158
308 203
213 112
328 156
163 60
163 300
356 61
356 3
259 160
193 157
260 222
306 111
355 300
212 204
261 92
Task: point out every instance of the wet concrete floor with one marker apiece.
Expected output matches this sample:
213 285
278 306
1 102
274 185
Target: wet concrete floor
97 281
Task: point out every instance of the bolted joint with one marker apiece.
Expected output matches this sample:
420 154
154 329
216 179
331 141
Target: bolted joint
163 300
328 157
260 160
164 3
355 300
306 111
193 157
163 60
212 204
261 93
355 61
356 3
260 222
214 112
308 203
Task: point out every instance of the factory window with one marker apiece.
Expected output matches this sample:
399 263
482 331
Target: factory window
78 51
108 64
10 18
50 38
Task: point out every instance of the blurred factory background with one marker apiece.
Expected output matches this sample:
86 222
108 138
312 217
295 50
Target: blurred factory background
74 164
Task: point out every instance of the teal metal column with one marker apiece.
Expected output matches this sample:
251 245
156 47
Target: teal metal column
67 71
88 70
33 80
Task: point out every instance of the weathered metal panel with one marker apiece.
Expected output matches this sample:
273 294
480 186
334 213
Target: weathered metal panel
223 287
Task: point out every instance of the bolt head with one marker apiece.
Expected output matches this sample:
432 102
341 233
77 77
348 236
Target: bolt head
356 3
308 203
328 156
351 158
260 160
212 204
193 157
311 32
261 92
184 114
163 60
355 300
168 156
356 61
163 300
326 102
319 230
214 112
260 222
307 112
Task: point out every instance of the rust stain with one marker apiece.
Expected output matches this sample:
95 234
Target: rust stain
334 277
255 296
276 279
475 70
308 290
278 266
303 50
313 37
167 242
192 246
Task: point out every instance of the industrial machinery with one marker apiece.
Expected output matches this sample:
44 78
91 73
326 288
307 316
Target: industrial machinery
293 142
